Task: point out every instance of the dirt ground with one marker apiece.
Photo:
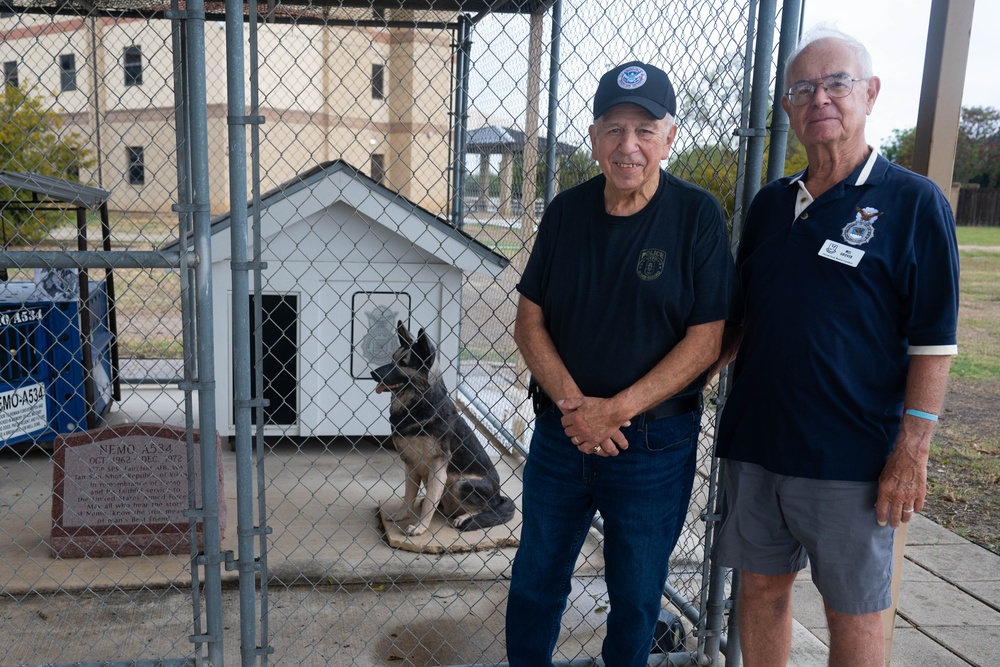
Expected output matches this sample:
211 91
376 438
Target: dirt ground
964 470
963 490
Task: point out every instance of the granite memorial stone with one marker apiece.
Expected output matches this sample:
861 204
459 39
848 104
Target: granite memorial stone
124 491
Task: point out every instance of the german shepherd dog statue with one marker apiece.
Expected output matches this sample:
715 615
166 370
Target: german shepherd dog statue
438 447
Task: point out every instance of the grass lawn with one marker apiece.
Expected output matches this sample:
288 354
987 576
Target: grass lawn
963 491
984 236
979 316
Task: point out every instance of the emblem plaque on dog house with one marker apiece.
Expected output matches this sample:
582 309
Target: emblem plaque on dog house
373 328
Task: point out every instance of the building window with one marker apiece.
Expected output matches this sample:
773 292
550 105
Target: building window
378 168
133 66
10 73
378 82
136 166
67 71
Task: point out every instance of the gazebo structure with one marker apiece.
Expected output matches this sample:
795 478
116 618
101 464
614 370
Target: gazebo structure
508 142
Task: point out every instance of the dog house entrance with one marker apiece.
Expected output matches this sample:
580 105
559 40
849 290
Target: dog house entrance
280 344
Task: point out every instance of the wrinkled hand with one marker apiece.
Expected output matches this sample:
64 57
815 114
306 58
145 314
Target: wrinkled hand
901 487
592 426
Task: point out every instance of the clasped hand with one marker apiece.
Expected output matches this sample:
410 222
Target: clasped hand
592 426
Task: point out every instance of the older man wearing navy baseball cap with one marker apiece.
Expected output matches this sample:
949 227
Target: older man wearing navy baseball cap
621 311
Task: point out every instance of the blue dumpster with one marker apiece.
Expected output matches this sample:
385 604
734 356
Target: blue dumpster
55 369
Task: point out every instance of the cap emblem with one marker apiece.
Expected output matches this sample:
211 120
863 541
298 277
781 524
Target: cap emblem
631 77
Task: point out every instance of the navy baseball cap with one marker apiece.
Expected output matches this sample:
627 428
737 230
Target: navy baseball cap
636 83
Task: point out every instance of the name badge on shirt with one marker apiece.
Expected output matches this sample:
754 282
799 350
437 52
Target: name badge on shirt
841 252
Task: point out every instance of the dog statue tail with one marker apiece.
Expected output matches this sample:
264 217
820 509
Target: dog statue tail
500 510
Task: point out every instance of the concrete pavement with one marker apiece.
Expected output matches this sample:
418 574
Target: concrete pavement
440 609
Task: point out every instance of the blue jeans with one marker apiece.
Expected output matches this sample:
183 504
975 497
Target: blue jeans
642 495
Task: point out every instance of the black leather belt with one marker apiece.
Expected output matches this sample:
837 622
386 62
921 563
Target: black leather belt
681 405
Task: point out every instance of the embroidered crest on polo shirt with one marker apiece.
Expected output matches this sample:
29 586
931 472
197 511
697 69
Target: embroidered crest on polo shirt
651 262
862 228
631 77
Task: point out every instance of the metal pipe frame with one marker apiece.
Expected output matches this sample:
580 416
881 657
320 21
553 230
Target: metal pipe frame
96 259
243 403
551 155
261 530
756 130
197 98
463 57
791 11
184 208
742 132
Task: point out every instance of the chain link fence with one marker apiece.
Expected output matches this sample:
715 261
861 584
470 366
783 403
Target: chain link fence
398 157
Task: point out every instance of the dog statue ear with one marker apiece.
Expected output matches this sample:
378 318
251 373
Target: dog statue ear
424 348
404 336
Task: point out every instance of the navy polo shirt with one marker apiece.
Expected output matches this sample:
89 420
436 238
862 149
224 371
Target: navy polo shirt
838 293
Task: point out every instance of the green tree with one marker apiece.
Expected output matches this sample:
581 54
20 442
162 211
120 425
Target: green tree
31 140
795 155
977 155
714 168
577 168
900 147
977 152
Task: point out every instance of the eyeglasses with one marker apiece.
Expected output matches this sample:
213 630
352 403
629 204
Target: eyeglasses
835 85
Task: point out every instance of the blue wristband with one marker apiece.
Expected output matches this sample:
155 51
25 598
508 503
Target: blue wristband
921 415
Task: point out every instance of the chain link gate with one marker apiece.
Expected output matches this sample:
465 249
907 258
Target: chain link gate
111 527
386 146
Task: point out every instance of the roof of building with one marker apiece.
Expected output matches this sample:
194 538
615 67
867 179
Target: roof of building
500 139
55 189
381 204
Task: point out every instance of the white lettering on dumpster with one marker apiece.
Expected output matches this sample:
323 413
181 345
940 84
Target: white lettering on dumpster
22 411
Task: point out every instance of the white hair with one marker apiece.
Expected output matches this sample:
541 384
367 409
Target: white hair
827 30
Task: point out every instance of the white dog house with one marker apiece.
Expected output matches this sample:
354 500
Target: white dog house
346 258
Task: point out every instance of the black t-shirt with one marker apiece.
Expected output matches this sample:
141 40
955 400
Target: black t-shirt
619 292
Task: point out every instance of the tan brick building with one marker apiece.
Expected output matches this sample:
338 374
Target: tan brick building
375 97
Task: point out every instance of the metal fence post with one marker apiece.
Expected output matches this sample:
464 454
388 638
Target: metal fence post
195 59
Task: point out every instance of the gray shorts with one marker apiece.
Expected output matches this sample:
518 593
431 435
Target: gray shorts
775 524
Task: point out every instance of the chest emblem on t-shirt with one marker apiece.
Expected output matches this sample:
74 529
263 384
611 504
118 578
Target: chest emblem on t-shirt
651 262
862 228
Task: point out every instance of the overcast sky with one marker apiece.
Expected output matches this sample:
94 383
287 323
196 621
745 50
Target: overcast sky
895 32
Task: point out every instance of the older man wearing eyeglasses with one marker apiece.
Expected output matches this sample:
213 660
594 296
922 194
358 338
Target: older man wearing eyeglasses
850 281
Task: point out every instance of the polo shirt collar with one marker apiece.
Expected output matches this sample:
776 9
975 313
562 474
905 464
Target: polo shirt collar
869 173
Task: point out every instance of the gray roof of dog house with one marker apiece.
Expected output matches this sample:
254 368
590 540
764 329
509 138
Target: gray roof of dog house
338 182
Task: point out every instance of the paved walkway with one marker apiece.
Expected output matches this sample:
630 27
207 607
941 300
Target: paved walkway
982 248
949 607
